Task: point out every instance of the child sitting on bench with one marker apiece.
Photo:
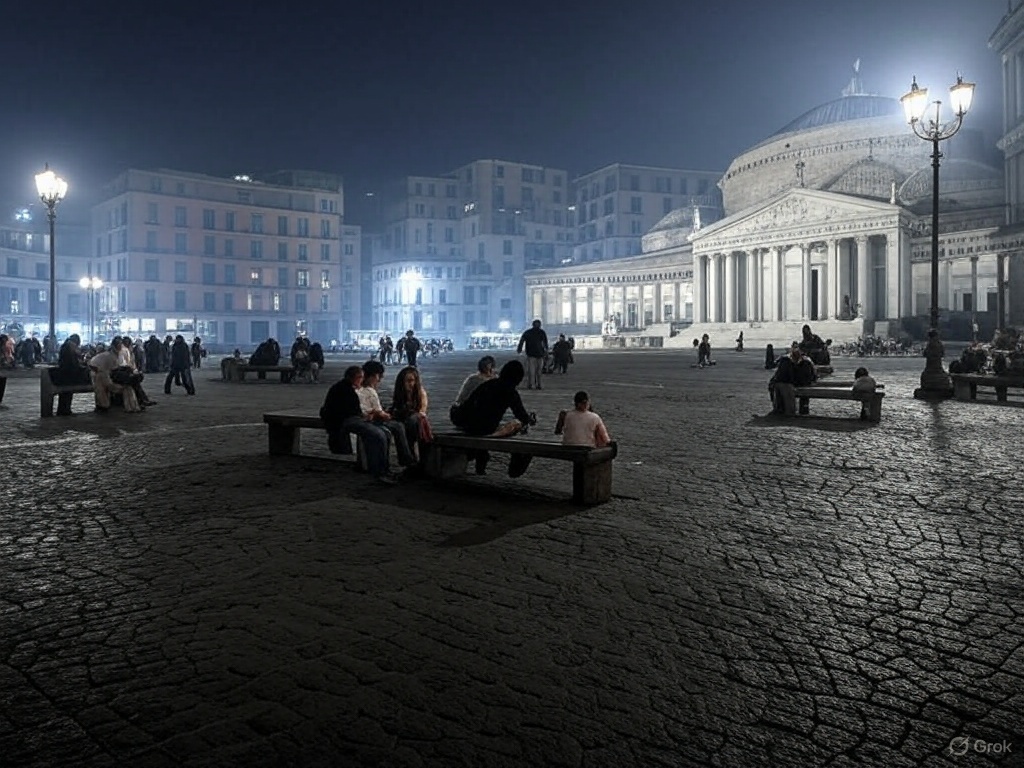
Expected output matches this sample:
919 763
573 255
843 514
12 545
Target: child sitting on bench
863 383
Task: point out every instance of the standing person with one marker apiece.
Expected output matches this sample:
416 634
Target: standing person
180 366
562 354
739 342
197 352
412 348
535 342
342 415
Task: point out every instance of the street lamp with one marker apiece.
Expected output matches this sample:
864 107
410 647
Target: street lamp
52 189
91 285
935 382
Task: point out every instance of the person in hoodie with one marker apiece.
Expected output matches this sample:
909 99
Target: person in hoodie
181 366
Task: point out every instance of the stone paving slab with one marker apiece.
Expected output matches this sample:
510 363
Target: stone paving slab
759 592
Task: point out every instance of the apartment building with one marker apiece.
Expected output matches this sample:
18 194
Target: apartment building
233 260
25 272
617 205
454 248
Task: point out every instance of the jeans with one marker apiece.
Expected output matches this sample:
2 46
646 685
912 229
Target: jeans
403 445
533 369
186 380
375 443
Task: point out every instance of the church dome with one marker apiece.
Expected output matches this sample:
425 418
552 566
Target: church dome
857 106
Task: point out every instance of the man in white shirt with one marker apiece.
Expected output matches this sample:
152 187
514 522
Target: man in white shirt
581 426
485 372
369 401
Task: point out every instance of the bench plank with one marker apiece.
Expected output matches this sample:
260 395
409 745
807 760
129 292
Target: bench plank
872 400
965 385
48 390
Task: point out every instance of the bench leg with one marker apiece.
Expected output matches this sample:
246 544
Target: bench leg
591 483
961 390
875 409
974 391
446 463
1001 394
283 441
362 462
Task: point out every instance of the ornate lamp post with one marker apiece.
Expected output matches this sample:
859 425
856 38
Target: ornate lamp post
52 189
91 285
935 382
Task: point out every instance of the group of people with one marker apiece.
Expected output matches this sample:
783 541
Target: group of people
408 348
26 352
306 357
540 358
798 369
353 407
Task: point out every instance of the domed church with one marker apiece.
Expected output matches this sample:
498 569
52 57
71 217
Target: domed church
827 221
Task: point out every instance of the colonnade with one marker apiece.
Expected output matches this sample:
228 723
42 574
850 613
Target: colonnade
635 304
840 278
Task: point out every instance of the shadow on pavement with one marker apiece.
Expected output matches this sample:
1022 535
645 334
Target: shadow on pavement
819 423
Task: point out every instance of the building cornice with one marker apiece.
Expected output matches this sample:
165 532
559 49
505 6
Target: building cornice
1009 29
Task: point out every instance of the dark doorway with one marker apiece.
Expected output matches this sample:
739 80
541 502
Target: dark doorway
814 294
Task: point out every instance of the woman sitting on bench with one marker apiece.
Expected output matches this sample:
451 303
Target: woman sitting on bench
482 413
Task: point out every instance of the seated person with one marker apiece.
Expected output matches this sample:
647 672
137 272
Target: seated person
581 426
71 369
316 359
409 409
813 347
343 415
704 352
769 358
484 372
794 370
863 382
101 366
482 413
373 372
127 374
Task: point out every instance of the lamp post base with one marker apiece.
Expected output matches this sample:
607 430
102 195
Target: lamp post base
935 381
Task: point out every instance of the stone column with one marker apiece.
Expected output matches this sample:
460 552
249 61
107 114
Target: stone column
906 279
805 275
713 261
606 307
572 306
590 307
730 287
698 288
835 301
752 287
659 310
862 277
641 316
778 274
892 274
677 307
974 285
544 315
945 284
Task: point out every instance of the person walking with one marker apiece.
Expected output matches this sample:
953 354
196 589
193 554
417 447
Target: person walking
412 348
180 366
535 342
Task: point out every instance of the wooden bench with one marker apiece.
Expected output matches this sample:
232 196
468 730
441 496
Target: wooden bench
965 385
821 391
237 372
284 433
591 467
48 390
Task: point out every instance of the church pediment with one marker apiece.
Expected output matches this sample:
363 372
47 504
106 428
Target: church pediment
796 214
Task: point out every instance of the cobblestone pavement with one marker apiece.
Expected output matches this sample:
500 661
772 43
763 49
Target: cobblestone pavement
760 592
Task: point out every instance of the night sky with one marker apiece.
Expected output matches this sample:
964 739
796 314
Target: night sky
376 90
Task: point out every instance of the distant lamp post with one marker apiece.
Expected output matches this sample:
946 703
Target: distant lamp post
52 189
935 382
91 285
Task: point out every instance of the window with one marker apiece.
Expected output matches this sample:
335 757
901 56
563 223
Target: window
609 206
229 247
419 296
256 276
150 270
636 205
468 318
302 278
468 295
256 222
349 250
152 216
485 294
282 225
180 216
451 212
229 274
442 321
282 276
480 250
442 296
229 305
506 269
449 235
506 247
527 175
325 251
209 274
325 302
256 249
154 184
209 218
149 299
151 242
325 228
180 272
634 183
282 251
179 300
229 221
300 302
346 276
556 197
683 187
303 230
527 196
209 301
702 187
506 305
180 242
230 326
275 301
418 188
325 278
209 245
666 205
254 301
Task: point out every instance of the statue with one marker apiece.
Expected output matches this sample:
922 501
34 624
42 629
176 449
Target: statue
855 87
935 382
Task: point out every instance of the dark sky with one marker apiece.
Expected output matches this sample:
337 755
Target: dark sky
375 89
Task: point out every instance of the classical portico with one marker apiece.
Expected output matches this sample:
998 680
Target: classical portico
806 255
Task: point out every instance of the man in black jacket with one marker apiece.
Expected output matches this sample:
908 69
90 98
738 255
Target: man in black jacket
71 369
181 366
535 342
794 370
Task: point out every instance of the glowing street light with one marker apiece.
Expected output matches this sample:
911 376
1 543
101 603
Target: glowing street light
91 285
935 381
52 189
